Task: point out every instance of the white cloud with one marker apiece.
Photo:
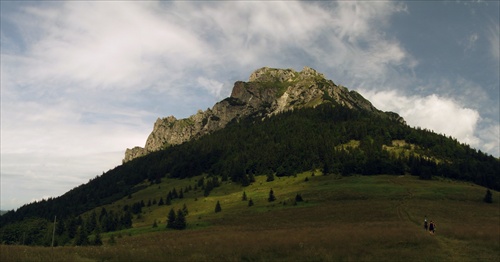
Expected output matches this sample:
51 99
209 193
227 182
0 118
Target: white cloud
493 36
134 45
469 42
103 44
354 20
442 115
213 86
490 138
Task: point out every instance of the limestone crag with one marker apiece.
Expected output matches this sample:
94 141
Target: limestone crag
268 92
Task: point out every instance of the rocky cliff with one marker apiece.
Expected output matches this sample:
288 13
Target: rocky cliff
269 91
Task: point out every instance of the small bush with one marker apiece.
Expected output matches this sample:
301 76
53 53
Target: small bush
488 198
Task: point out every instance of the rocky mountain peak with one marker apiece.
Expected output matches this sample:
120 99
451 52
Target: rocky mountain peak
266 74
269 91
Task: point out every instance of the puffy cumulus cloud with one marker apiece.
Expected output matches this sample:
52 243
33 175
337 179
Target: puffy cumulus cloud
490 138
442 115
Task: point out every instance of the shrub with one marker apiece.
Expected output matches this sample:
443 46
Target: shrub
218 207
488 198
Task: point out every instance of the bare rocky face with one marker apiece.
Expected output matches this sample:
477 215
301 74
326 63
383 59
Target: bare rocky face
269 91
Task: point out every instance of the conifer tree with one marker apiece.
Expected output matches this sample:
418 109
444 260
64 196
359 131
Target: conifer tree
81 238
201 182
169 201
112 240
271 197
251 178
180 221
207 189
161 203
244 197
250 202
270 177
181 194
127 220
91 223
185 210
218 207
97 238
488 198
171 219
71 227
169 195
245 181
103 214
298 198
155 224
326 168
174 194
59 228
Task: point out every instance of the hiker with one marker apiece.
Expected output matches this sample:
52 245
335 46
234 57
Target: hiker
425 223
432 227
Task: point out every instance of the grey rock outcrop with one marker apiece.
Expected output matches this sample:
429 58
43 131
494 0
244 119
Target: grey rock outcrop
268 92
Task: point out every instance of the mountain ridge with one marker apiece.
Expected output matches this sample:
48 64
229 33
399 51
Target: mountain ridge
269 91
329 141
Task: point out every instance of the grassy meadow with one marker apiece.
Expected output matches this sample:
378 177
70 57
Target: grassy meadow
357 218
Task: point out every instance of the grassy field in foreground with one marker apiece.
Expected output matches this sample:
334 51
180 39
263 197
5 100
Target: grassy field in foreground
375 218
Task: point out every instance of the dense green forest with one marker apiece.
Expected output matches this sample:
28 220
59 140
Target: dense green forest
282 145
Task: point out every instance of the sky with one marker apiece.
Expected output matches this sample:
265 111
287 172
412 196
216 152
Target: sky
82 81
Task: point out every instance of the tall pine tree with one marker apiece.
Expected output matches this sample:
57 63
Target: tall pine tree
171 219
180 221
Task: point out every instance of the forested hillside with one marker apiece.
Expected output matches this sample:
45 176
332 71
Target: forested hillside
329 137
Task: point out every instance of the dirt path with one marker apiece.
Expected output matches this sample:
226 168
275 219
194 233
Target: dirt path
402 205
454 249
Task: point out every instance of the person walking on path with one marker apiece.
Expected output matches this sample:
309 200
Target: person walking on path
425 223
432 227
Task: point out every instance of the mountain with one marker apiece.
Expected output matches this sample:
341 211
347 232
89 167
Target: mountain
268 92
280 124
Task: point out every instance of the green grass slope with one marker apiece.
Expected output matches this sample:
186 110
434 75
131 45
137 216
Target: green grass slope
355 218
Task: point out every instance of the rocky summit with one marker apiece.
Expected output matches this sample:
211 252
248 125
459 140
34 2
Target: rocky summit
268 91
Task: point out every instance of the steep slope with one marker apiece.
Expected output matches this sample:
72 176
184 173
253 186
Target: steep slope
268 92
343 137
